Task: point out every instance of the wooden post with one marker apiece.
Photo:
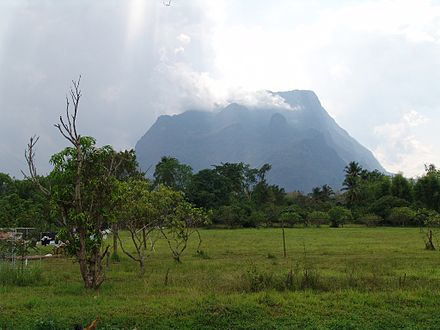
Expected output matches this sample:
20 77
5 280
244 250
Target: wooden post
284 240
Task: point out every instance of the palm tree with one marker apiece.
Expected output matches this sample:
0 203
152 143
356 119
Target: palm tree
351 182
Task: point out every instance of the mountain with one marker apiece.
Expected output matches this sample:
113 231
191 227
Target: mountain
304 145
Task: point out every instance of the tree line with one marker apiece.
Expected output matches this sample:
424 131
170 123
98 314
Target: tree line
240 196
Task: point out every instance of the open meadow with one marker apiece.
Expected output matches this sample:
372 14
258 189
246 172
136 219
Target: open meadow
332 278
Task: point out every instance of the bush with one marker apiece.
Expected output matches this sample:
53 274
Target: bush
255 219
369 220
318 218
383 205
402 216
291 218
339 215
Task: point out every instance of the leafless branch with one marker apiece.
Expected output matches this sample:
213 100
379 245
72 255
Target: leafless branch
29 154
105 252
68 129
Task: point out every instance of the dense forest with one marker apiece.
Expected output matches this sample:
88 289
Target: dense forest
237 195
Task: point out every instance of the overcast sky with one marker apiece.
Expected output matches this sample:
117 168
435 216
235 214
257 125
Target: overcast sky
375 65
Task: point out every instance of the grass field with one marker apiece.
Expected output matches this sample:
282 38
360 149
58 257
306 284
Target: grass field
332 278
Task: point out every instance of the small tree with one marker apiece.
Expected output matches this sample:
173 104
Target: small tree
178 220
128 169
136 213
431 221
339 215
81 187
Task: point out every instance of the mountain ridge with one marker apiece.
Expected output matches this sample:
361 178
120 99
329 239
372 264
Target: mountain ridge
304 144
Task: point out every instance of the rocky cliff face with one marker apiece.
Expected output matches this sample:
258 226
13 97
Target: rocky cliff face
304 145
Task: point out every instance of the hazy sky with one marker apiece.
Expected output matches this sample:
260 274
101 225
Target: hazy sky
375 65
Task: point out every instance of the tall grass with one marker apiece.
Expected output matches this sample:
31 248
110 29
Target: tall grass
11 274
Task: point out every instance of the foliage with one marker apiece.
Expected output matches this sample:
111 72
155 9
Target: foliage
178 220
238 194
291 218
171 173
80 191
382 207
22 204
82 198
149 215
339 215
318 218
351 182
401 187
369 220
401 216
427 189
136 213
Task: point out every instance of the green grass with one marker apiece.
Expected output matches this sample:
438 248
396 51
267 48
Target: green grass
332 278
20 275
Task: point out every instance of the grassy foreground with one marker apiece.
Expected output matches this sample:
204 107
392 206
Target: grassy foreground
344 278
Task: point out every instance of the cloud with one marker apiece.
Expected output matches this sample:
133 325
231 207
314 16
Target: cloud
184 38
185 88
399 148
179 50
116 46
369 62
257 99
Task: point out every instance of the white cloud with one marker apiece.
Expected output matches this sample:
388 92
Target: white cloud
184 38
399 149
187 88
179 50
367 61
413 118
257 99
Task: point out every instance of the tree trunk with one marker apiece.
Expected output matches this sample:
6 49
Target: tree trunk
142 265
90 267
429 245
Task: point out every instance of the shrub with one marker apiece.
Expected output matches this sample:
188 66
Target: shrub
318 218
255 219
339 215
402 216
383 205
369 220
291 218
